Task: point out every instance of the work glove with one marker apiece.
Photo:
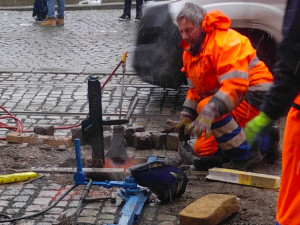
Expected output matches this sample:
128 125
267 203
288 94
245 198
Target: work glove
203 121
255 127
185 119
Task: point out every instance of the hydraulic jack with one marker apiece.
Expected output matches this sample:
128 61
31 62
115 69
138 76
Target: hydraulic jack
134 196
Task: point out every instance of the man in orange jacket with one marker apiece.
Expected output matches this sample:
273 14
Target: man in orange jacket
227 83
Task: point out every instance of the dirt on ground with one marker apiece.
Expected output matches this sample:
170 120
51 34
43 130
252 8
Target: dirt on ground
258 205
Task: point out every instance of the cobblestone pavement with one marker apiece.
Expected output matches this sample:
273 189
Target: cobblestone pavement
90 40
61 99
43 80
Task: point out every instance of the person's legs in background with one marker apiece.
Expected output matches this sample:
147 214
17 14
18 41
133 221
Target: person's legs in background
139 4
60 13
50 21
127 9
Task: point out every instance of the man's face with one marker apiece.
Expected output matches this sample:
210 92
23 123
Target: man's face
189 31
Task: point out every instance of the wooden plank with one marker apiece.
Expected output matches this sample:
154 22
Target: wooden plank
30 138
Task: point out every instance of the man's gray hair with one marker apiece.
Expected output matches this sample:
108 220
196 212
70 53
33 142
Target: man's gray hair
192 12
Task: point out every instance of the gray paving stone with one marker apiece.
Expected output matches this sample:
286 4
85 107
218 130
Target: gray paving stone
85 220
4 203
19 204
47 193
89 213
42 201
111 210
33 208
107 217
21 198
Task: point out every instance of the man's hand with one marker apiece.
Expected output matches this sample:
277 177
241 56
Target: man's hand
255 127
204 120
185 120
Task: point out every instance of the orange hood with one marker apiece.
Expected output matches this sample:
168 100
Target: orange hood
215 19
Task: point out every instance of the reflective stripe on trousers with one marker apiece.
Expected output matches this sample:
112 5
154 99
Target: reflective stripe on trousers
231 138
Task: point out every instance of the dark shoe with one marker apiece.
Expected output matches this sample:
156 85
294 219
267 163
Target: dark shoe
60 21
254 159
39 19
273 152
125 17
138 17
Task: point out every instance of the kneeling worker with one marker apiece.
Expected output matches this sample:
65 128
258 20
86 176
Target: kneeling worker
227 83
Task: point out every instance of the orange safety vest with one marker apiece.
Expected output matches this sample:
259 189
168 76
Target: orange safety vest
288 204
226 65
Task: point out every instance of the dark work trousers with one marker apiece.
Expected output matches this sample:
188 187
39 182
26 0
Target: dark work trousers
127 8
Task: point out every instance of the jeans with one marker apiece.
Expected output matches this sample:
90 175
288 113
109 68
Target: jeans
139 4
51 8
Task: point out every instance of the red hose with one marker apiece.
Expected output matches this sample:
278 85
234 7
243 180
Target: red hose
19 124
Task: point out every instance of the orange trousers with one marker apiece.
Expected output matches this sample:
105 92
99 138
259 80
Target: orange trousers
288 204
241 114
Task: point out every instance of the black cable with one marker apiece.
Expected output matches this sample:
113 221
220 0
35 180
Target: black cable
39 213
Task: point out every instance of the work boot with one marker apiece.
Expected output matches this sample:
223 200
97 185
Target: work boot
125 17
60 21
255 158
186 152
202 163
272 154
50 22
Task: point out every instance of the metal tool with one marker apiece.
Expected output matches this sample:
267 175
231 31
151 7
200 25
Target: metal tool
134 196
92 127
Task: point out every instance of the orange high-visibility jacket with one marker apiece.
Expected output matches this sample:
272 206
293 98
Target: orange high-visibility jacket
288 203
225 67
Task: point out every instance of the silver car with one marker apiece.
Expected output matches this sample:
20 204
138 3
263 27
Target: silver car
157 57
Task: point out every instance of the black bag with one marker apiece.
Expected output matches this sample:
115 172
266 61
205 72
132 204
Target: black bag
40 10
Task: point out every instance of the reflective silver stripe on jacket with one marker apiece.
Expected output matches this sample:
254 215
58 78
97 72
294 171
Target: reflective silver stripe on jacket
225 99
190 83
191 104
233 74
253 62
261 87
236 141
